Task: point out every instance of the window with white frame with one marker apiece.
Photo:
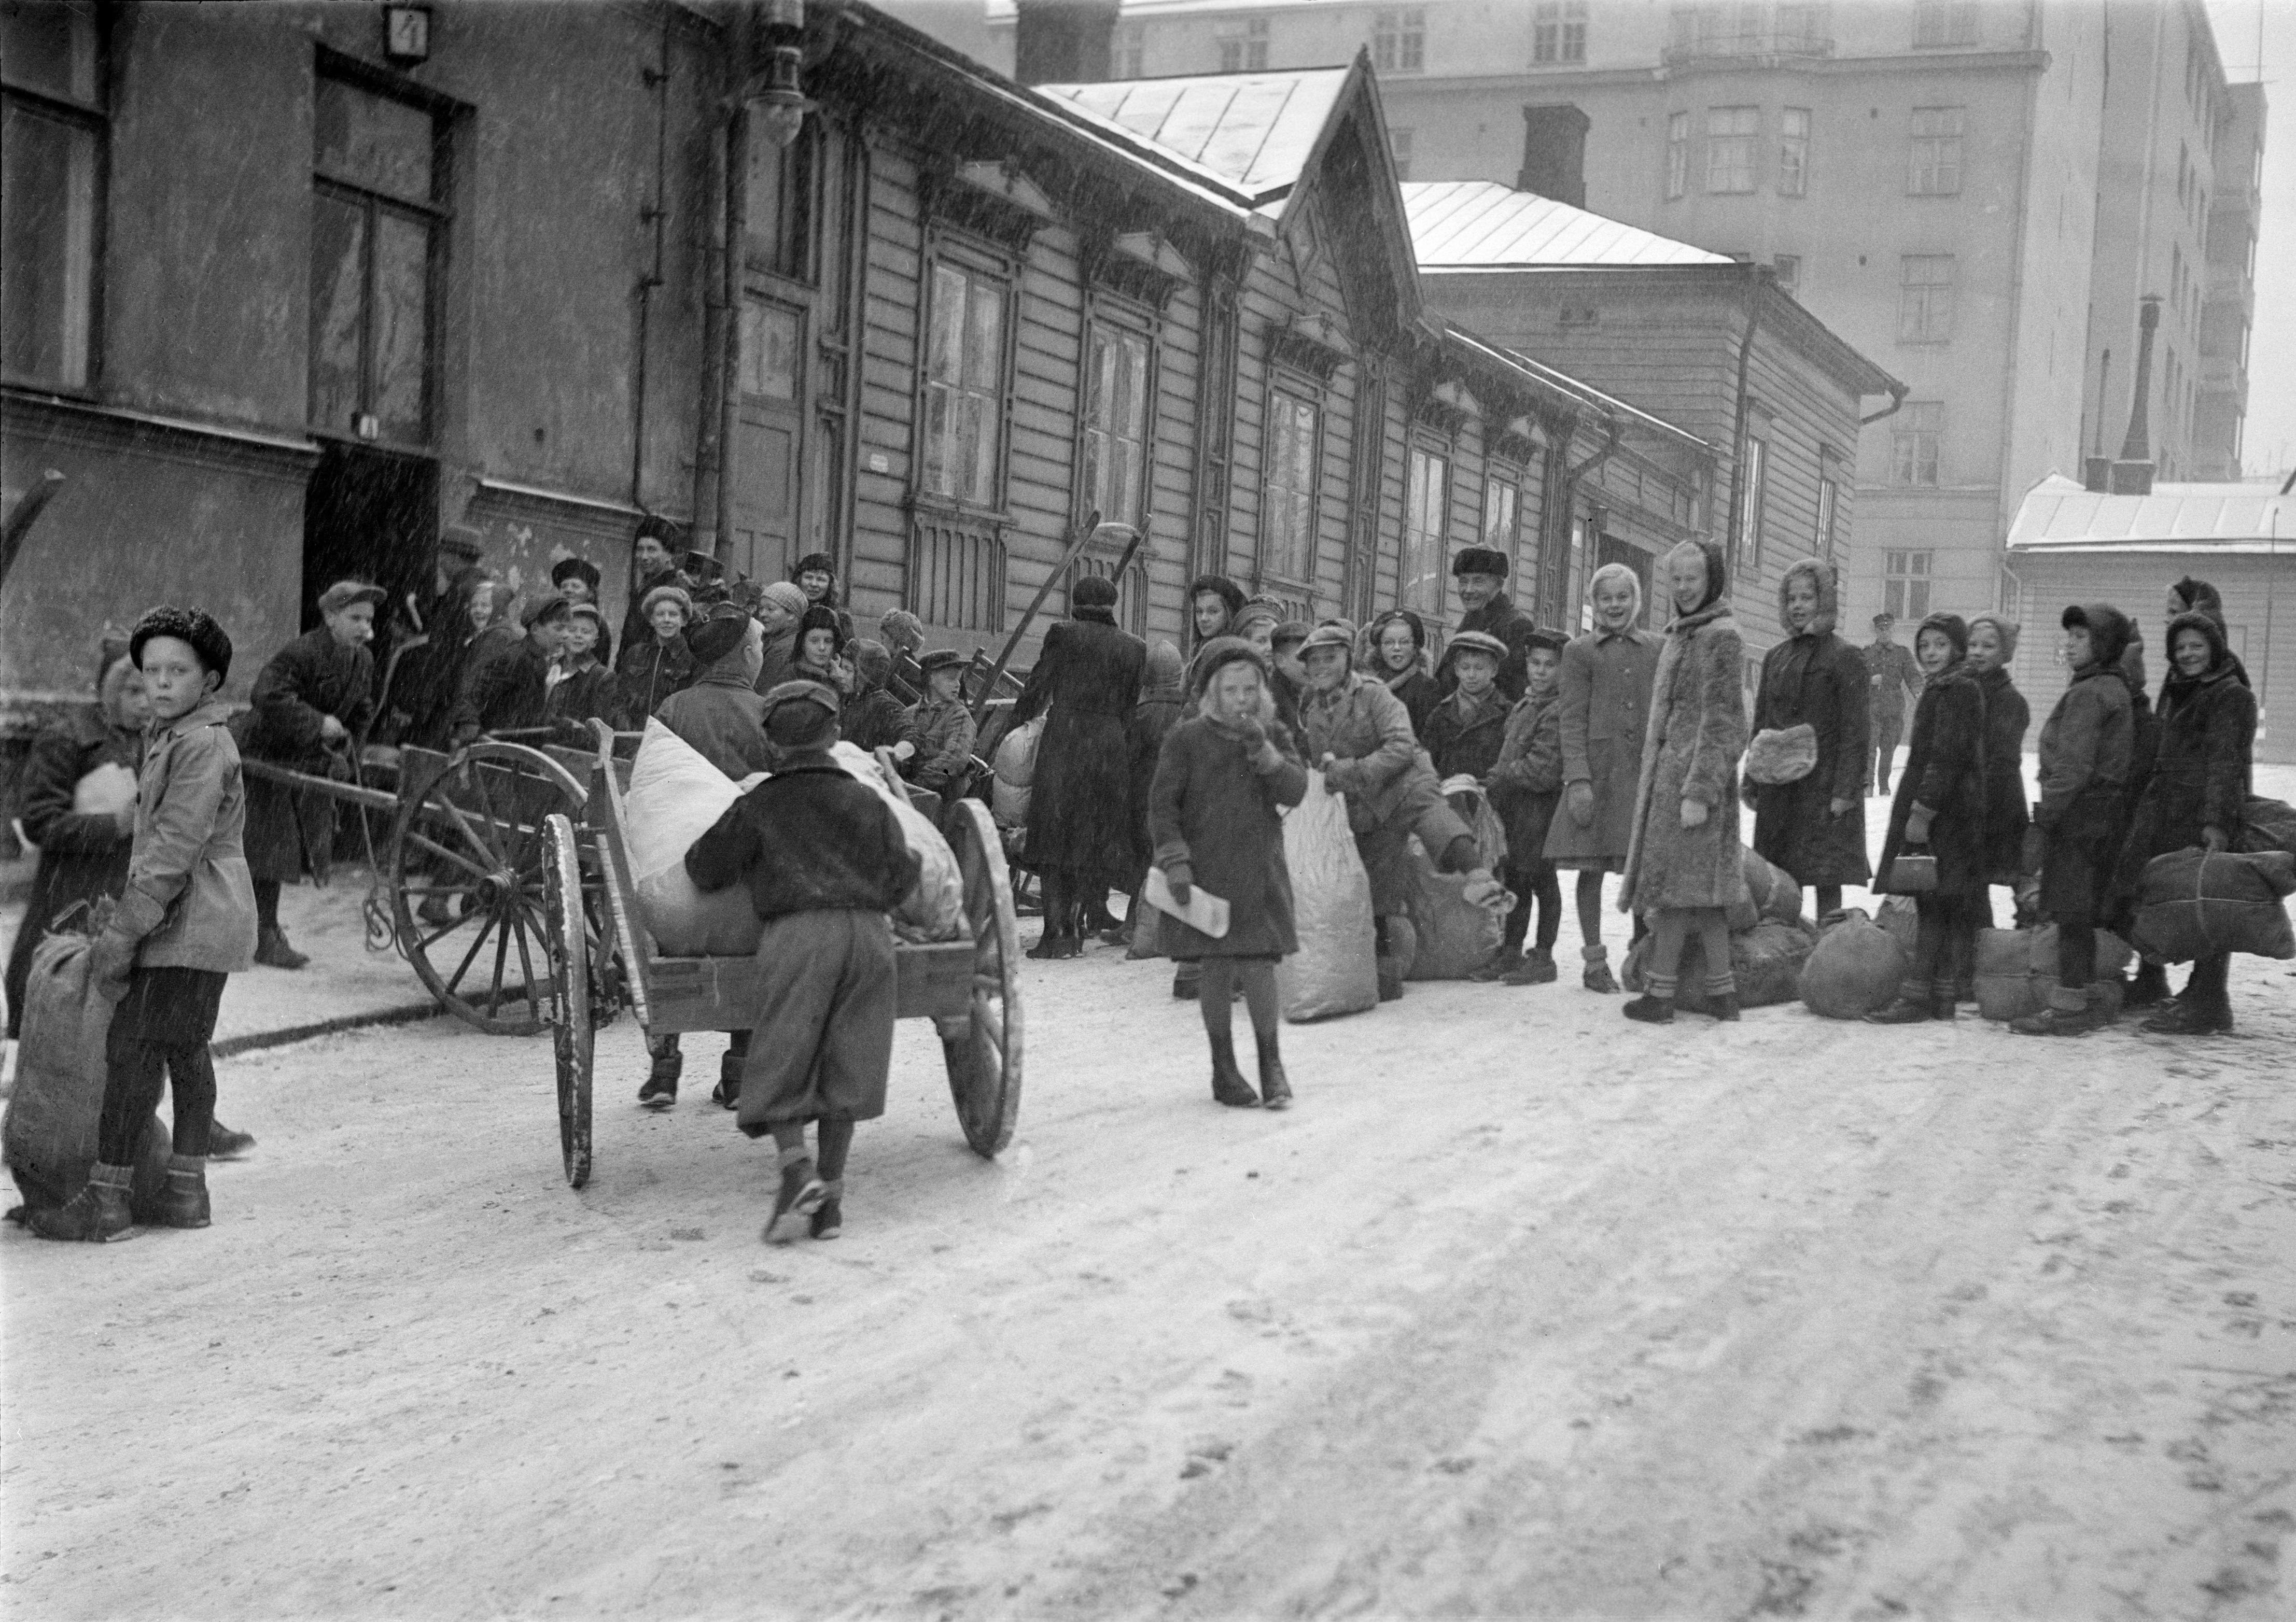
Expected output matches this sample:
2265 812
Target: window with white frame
1399 144
1925 297
1558 31
1426 500
1243 46
1906 584
1731 135
1398 40
1793 151
51 88
964 383
1829 494
1287 528
1933 152
1945 23
1116 424
1917 433
1753 487
1502 511
1677 154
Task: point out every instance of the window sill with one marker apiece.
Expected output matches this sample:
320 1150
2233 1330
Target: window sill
950 508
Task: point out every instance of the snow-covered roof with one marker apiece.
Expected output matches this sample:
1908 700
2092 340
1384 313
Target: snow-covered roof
1255 131
2059 515
1482 224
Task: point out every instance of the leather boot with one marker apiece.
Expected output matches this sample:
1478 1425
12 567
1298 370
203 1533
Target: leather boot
2148 988
1537 969
184 1204
727 1094
1275 1086
1650 1009
1911 1006
224 1144
98 1212
1597 976
1228 1085
1723 1007
2070 1014
1390 978
271 950
661 1089
2189 1017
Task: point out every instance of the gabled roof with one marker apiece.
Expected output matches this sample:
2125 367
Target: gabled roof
2059 515
1255 131
1481 225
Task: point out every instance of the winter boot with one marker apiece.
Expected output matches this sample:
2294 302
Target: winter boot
800 1195
224 1144
1536 969
1274 1088
1597 977
2189 1017
1946 998
1911 1006
828 1221
98 1212
271 950
1722 1006
1187 979
1052 947
1502 965
661 1089
184 1204
2070 1014
1650 1009
2147 988
1228 1085
727 1094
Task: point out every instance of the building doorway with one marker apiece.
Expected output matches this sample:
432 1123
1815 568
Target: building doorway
371 515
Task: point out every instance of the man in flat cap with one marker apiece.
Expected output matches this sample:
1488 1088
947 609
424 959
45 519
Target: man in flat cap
1479 575
311 706
938 730
1890 675
823 860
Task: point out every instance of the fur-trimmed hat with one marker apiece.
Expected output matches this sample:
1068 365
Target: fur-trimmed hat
815 562
194 626
1094 590
575 569
1219 653
940 659
1478 560
820 617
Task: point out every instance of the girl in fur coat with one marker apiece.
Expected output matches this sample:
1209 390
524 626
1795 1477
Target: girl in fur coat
1687 867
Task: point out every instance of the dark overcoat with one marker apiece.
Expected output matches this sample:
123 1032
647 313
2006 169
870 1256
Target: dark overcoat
2084 765
83 855
1080 805
591 694
1501 619
1945 771
1419 693
651 669
2200 778
1152 718
2007 718
1463 736
506 687
291 831
1697 737
1526 781
1215 817
1818 680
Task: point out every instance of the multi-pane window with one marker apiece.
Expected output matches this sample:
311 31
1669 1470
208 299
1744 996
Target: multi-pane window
1502 508
1677 154
1793 151
1127 50
1829 495
1558 31
1788 267
374 223
51 170
1754 479
1398 40
1243 47
1925 297
1731 134
1916 432
1945 23
1426 494
964 384
1906 584
1116 424
1801 31
1933 152
1287 541
1398 143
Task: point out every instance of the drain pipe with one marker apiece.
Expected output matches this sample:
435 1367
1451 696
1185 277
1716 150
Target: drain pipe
656 215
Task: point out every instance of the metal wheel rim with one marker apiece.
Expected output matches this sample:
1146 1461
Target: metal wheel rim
985 1060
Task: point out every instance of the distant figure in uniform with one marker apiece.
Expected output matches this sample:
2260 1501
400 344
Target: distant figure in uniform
1891 674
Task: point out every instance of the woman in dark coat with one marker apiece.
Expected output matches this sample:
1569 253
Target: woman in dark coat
1079 837
2198 793
310 708
1396 651
1992 650
1940 807
83 852
1223 777
1814 826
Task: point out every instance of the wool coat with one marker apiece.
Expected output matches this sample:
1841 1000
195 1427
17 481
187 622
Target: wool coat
2085 764
651 669
1418 692
1603 688
83 855
291 831
1501 619
873 719
1945 774
811 838
1153 718
1697 736
2007 718
428 679
1080 817
188 901
1464 735
779 664
944 733
506 687
592 694
1217 821
1526 780
1815 679
2200 779
1389 783
723 719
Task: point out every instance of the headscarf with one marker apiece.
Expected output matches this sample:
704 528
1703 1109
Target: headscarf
2199 597
1717 577
2220 651
1820 573
1957 632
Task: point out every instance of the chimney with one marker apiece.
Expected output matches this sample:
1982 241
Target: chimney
1554 154
1063 42
2132 473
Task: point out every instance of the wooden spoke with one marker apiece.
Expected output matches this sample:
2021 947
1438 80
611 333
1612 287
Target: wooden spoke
424 842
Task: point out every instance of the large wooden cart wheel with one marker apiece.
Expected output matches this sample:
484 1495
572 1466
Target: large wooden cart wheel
982 1046
471 846
573 1027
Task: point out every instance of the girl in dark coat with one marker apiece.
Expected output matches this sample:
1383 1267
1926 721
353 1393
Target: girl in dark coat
1397 646
2082 814
2198 793
1814 826
1941 806
83 852
1992 650
1080 836
1223 777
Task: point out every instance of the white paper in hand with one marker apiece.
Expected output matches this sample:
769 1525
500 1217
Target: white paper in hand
1205 911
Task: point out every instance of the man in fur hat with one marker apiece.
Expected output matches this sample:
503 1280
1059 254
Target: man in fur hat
1478 575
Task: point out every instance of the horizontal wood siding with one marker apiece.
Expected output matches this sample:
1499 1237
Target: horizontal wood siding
1172 483
889 366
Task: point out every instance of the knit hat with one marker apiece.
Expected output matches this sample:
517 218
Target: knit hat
901 629
816 562
1093 591
665 594
1478 560
1257 609
2004 627
342 593
1167 675
1218 653
192 626
873 664
543 607
575 569
788 598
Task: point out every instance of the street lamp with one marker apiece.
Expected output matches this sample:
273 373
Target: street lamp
777 112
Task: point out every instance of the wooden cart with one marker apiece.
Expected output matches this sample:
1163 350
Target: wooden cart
968 987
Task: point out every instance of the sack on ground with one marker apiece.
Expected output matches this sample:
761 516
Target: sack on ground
2194 903
1455 937
2016 970
1466 797
2266 825
675 796
1765 961
1771 893
1855 967
934 907
48 1135
1332 972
